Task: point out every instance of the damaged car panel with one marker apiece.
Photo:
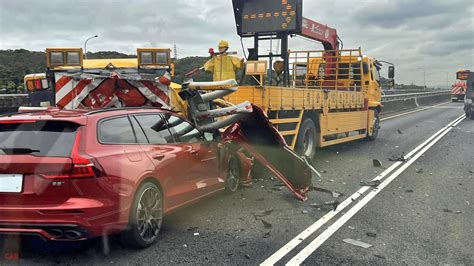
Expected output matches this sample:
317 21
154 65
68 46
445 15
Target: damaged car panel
248 126
259 137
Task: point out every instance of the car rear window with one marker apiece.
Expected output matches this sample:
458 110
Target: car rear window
39 138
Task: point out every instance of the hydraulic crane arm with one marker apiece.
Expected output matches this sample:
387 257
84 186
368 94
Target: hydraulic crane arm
321 33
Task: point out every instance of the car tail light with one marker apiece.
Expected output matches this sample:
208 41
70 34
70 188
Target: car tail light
38 84
83 166
30 85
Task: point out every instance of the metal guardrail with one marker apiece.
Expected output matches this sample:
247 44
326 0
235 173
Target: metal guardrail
404 96
398 91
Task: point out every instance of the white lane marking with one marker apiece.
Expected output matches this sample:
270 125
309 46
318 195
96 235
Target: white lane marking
411 112
287 248
317 242
315 226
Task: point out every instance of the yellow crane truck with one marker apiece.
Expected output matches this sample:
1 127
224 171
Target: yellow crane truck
314 98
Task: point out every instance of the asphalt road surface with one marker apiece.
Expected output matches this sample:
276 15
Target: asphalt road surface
420 213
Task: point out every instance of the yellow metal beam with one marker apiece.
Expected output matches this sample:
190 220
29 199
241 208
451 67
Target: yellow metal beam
289 132
285 120
293 143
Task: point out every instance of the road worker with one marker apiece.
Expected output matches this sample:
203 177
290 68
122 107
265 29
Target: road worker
223 66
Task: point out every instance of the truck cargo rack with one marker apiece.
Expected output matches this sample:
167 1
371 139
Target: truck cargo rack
327 70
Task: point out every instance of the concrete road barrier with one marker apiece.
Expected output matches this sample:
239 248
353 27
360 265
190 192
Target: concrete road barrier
402 102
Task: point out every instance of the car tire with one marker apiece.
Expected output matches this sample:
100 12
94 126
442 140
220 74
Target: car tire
146 216
306 141
376 121
454 100
232 181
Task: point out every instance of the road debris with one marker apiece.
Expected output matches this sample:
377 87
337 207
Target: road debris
266 224
419 170
471 171
196 234
399 131
333 204
357 243
247 256
304 211
409 191
262 213
351 227
334 194
451 211
399 158
373 183
379 256
371 234
377 163
267 234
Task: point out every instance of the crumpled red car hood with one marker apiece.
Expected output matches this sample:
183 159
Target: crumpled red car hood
259 137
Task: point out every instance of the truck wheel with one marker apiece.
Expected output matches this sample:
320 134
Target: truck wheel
306 141
232 181
375 132
146 216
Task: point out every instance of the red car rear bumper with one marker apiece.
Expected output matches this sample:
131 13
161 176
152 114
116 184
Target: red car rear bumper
75 219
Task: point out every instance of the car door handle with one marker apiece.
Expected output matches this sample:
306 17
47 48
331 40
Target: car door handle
158 156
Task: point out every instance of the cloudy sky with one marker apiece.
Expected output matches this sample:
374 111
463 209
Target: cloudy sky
431 37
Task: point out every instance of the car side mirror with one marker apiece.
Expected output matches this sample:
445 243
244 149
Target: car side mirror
391 72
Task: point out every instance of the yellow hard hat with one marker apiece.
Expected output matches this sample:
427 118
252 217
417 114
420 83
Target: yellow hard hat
223 44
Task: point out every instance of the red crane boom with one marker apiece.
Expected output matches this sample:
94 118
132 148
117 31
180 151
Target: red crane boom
322 33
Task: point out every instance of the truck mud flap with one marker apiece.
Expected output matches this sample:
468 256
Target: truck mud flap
260 138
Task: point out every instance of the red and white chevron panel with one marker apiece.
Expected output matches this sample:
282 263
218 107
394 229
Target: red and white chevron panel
458 88
99 92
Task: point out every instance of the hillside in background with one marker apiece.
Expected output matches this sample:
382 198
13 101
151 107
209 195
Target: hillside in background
15 64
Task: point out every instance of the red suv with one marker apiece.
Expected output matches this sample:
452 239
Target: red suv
73 175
